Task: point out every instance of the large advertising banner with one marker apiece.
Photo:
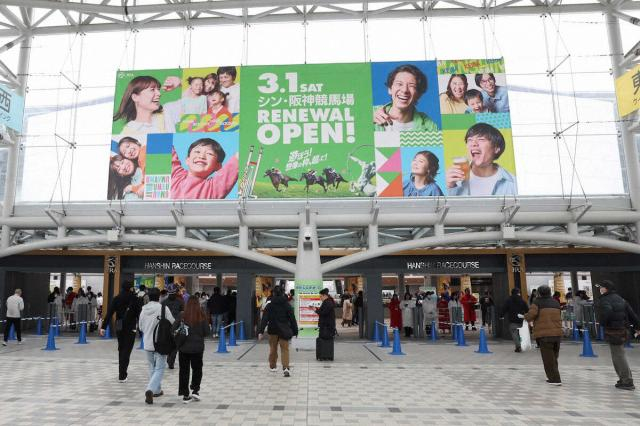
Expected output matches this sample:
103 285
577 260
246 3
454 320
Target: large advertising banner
628 91
390 129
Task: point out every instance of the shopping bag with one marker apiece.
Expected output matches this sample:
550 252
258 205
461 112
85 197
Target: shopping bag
525 336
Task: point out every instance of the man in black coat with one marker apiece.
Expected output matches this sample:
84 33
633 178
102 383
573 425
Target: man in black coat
513 307
281 324
326 315
615 316
175 303
127 308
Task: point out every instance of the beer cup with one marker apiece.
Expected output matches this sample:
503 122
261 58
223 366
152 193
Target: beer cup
463 164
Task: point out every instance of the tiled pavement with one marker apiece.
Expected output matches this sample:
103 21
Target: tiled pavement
432 384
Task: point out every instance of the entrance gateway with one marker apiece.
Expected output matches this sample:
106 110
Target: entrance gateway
494 272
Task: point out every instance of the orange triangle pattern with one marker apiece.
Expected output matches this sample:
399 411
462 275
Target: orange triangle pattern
394 189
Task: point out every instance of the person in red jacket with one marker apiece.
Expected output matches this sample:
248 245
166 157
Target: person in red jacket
395 313
468 302
444 320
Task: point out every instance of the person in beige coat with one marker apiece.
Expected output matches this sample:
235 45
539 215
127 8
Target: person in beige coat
347 311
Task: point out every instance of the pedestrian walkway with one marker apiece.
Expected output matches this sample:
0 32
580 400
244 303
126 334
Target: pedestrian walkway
432 384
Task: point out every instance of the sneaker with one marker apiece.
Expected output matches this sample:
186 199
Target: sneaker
148 397
554 383
518 349
20 342
195 396
155 395
273 370
626 386
4 343
186 399
474 328
286 372
123 380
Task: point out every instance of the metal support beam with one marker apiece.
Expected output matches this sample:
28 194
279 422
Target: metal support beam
629 145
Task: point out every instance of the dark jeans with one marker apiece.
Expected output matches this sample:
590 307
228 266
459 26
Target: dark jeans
16 325
549 350
171 358
620 364
126 339
408 331
189 362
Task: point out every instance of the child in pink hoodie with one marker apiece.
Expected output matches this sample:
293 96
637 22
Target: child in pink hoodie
204 157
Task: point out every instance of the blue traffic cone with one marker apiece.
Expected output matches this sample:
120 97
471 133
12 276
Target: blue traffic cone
39 327
385 338
82 337
587 350
12 333
51 339
601 333
434 332
232 335
454 332
222 342
461 341
376 335
483 348
397 349
576 335
241 335
107 332
57 325
141 341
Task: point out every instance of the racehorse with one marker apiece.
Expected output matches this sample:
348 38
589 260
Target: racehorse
333 177
312 178
277 178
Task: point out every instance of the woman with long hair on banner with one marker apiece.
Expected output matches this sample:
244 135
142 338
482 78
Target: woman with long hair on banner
452 100
124 176
140 108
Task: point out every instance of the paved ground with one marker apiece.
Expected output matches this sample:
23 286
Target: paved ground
431 384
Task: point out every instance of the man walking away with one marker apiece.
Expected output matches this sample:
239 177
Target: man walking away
149 320
175 303
127 309
15 306
547 330
280 322
615 315
513 307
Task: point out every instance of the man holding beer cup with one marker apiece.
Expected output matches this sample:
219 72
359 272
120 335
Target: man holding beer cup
478 174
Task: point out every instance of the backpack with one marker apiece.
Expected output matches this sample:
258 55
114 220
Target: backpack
162 336
180 334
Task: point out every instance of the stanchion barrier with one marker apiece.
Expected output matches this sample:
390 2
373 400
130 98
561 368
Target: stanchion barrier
39 327
460 335
576 335
482 347
587 350
241 335
107 332
12 333
434 332
376 336
82 337
385 338
397 349
232 334
51 340
601 333
57 326
222 342
141 346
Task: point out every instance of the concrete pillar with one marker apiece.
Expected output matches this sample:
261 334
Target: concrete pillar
501 292
373 308
219 280
245 302
77 282
401 286
574 283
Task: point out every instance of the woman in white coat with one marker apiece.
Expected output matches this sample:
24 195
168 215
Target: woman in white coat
407 306
430 311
